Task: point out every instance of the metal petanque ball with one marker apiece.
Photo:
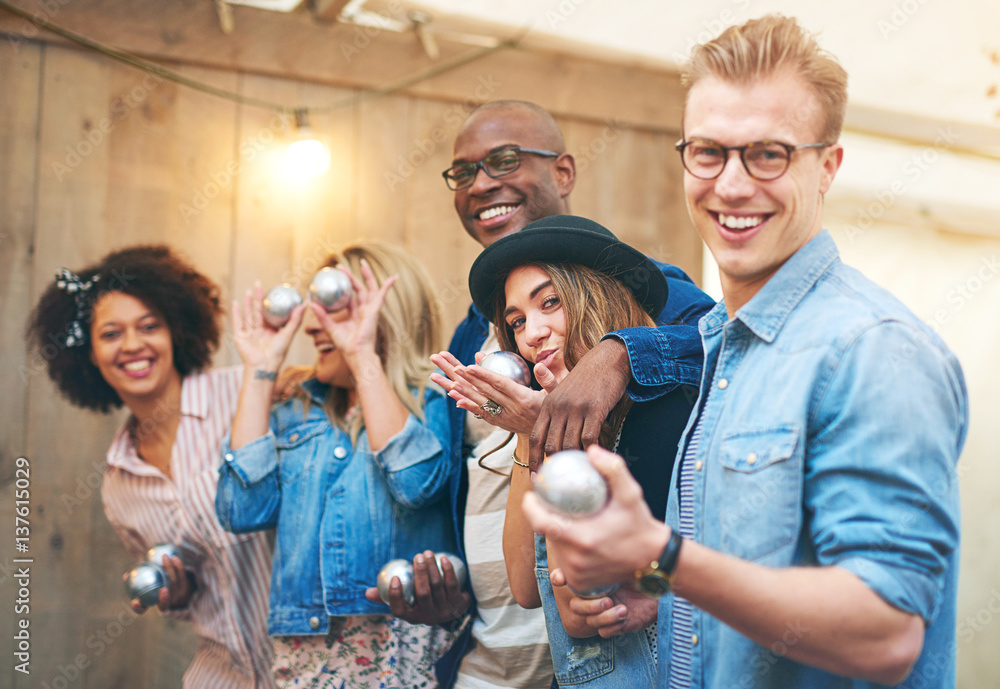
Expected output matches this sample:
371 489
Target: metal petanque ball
144 582
569 484
456 564
396 568
331 288
508 364
156 553
279 303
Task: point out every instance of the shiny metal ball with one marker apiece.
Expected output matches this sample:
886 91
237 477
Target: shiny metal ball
156 553
461 572
569 484
279 303
508 364
396 568
331 288
144 582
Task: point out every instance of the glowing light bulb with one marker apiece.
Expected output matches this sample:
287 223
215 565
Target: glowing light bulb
307 156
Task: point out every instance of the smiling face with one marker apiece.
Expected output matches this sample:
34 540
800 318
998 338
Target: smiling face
131 347
494 208
537 318
753 227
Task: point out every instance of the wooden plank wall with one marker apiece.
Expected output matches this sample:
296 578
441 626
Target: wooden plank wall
196 171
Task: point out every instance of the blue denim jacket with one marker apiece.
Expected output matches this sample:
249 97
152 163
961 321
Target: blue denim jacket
341 512
686 303
830 438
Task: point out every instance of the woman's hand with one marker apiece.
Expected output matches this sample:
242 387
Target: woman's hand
176 594
354 328
259 345
472 386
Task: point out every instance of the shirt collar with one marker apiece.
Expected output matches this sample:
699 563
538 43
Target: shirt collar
316 390
766 313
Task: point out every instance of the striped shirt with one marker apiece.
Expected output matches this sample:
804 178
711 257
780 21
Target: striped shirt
229 607
509 646
682 623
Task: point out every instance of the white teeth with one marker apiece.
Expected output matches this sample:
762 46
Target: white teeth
325 348
734 222
495 211
137 365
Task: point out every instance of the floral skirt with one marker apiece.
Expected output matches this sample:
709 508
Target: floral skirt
363 652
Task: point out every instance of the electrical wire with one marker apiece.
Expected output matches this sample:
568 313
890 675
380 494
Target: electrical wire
171 75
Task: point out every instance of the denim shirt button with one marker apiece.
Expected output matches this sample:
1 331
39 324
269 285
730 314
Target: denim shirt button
723 384
697 465
293 437
339 452
752 458
229 456
694 639
314 622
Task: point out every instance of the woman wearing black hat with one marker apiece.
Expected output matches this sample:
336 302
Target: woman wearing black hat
553 291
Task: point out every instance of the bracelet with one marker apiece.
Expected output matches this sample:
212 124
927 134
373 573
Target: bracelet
261 374
520 464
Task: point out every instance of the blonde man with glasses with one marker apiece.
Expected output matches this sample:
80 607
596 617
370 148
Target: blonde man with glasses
813 538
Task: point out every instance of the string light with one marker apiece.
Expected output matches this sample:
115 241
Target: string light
307 156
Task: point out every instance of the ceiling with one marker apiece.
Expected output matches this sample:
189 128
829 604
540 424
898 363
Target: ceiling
921 57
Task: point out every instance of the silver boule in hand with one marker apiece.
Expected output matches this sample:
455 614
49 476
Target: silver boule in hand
331 288
156 553
279 303
508 364
456 564
569 484
396 568
144 582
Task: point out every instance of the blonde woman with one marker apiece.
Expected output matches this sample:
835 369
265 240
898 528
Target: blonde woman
349 470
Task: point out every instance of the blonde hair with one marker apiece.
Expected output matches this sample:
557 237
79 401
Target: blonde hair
595 304
408 330
762 48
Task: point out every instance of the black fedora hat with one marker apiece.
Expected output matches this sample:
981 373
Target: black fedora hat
567 239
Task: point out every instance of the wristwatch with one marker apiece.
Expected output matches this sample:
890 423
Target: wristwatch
657 579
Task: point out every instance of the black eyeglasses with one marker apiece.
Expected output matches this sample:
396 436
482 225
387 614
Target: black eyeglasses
496 164
763 160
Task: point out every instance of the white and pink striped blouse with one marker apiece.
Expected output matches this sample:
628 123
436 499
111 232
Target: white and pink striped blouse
229 607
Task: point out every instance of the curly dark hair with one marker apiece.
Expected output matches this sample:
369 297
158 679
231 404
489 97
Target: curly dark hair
155 275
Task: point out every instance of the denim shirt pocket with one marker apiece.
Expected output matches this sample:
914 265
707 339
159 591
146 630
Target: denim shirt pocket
762 488
293 461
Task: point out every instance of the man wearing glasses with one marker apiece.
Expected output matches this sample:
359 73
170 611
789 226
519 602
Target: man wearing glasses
813 538
510 167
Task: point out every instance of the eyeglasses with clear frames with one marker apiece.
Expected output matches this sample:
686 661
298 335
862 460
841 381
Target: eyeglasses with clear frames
496 164
763 160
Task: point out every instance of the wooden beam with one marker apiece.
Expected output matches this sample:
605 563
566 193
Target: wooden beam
328 10
297 46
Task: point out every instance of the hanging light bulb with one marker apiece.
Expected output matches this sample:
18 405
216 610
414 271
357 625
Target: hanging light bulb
307 156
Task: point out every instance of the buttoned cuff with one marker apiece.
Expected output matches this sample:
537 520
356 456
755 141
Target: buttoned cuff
254 461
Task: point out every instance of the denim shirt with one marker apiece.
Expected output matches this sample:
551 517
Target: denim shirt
686 303
341 512
830 437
